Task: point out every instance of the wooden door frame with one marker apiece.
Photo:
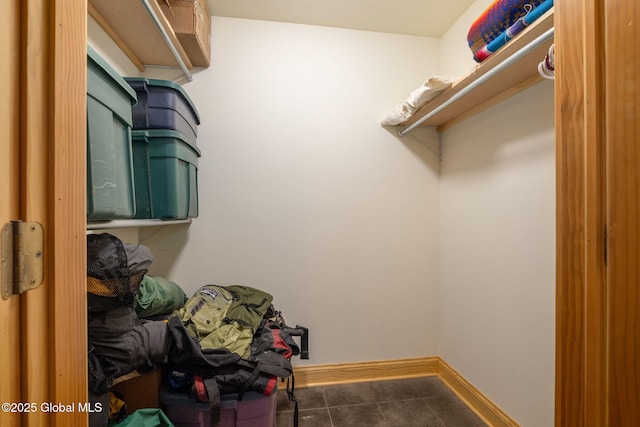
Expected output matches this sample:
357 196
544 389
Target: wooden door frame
580 200
581 322
581 296
66 205
51 141
622 106
581 214
9 197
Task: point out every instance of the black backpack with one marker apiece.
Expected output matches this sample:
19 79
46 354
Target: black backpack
119 342
218 370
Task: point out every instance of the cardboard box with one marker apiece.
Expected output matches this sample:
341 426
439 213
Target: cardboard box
191 21
139 390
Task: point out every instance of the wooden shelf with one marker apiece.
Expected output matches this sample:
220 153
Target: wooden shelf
132 28
516 78
134 223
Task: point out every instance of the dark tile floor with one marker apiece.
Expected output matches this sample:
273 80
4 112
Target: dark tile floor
397 403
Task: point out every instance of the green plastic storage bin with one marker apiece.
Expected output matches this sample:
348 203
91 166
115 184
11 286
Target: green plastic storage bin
110 187
166 175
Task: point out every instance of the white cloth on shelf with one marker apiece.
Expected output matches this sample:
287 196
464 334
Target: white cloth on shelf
416 99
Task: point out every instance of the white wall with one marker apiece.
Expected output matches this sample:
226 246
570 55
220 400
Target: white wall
455 57
109 50
358 233
497 246
305 195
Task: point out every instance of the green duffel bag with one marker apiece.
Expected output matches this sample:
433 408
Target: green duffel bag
158 296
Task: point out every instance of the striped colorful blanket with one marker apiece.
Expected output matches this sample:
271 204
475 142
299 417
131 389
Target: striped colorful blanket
496 19
531 14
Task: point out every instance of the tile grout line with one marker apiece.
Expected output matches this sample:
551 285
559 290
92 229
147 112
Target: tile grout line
326 406
426 402
414 393
381 411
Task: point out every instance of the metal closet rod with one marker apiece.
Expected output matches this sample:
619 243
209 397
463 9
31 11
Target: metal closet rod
167 39
534 44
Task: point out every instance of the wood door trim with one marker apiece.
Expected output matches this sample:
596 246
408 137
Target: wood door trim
581 216
34 142
10 387
66 225
623 196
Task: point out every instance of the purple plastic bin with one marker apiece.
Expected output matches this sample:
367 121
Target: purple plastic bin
163 105
253 410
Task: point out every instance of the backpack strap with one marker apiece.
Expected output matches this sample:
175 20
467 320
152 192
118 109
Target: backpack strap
200 389
215 404
207 390
292 398
255 373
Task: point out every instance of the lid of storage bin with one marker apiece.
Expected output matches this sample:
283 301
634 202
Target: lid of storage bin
167 396
151 134
93 56
167 84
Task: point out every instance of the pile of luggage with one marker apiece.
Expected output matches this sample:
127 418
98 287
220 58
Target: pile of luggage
223 341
